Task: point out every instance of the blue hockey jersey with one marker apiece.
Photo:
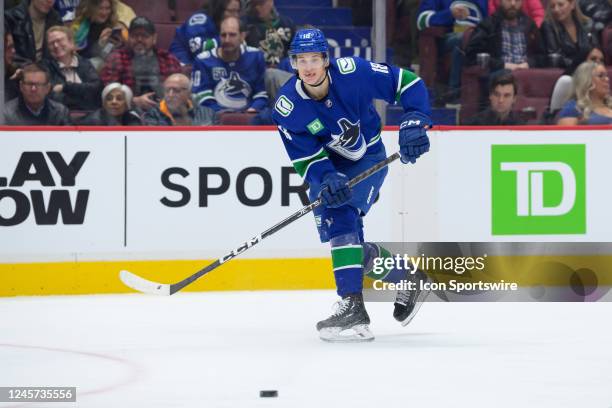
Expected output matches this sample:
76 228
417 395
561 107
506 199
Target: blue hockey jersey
322 136
199 33
235 85
437 13
66 9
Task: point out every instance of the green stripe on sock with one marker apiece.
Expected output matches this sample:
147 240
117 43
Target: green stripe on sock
347 256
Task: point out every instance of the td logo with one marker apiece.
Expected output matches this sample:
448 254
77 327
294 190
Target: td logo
538 189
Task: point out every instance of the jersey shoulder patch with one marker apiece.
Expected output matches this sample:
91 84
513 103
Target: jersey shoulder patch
346 65
198 19
252 49
284 106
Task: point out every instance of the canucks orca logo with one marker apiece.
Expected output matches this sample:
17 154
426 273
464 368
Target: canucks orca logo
350 143
233 92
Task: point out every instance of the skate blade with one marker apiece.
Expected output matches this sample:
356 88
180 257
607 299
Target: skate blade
356 334
423 295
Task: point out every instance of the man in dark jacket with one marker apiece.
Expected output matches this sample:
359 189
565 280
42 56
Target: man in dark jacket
502 96
511 39
28 22
33 107
177 107
74 80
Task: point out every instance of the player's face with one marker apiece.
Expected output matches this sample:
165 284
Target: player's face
601 82
311 67
502 98
115 103
561 10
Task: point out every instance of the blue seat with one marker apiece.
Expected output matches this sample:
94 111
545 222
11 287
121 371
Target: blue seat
348 36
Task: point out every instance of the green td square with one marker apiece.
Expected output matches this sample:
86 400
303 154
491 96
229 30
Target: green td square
315 126
538 189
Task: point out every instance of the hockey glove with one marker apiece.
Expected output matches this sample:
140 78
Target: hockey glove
335 191
413 138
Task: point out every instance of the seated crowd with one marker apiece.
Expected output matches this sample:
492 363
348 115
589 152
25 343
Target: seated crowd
94 62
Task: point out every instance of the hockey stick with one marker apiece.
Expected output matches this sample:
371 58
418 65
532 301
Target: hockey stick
146 286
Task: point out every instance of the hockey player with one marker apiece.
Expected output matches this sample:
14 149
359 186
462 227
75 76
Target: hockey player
332 132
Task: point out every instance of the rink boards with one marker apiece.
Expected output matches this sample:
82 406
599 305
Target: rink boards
77 206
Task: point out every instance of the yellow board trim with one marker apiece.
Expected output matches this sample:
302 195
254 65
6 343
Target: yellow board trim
80 278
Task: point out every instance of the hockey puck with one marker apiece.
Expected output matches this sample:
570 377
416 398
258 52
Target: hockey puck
268 394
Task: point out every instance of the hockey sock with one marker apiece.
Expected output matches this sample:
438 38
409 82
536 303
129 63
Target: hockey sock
347 258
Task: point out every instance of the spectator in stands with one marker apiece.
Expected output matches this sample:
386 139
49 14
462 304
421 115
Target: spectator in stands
201 31
177 107
567 34
532 9
74 80
67 10
600 11
28 22
271 33
11 72
455 17
592 103
116 108
268 30
502 96
141 65
9 4
33 107
97 30
231 77
563 87
511 39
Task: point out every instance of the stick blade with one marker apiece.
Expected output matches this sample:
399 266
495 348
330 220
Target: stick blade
143 285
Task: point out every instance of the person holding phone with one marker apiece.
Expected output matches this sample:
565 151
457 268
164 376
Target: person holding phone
98 30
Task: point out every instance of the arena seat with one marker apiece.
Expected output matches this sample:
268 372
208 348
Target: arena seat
165 35
535 88
235 118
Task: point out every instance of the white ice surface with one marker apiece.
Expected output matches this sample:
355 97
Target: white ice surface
221 349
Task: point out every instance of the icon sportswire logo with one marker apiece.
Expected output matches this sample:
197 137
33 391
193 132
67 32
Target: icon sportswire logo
538 189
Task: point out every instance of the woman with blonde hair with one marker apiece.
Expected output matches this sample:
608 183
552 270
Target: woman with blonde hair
97 29
592 103
567 34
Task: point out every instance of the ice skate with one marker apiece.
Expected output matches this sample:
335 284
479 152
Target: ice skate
349 323
408 302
